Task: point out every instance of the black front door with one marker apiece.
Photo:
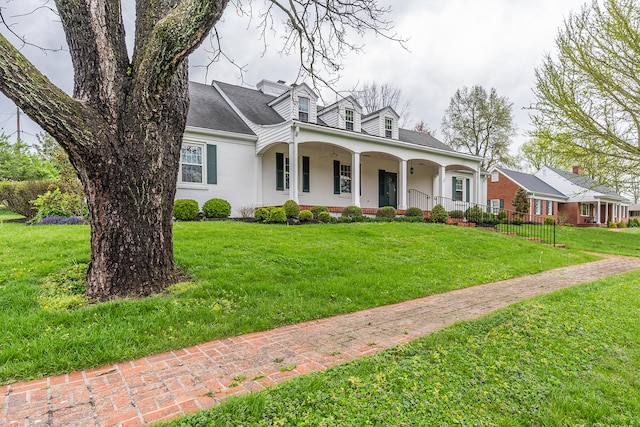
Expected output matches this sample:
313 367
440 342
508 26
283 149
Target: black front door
388 185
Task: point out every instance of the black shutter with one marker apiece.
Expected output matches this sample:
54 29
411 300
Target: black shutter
279 171
468 190
305 174
501 204
336 177
453 188
212 164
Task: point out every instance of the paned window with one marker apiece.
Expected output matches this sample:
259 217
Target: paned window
345 178
286 173
494 176
585 209
303 109
495 206
459 190
388 128
549 207
191 165
348 119
537 207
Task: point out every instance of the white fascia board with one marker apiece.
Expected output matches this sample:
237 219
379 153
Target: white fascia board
384 141
191 131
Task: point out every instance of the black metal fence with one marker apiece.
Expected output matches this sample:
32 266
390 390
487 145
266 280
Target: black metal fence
539 228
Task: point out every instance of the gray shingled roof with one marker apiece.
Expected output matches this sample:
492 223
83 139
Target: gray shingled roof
207 109
423 139
252 103
585 182
531 183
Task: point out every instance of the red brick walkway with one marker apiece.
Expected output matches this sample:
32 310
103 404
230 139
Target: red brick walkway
164 386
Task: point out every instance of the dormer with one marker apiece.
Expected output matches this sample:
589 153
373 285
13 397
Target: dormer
383 123
345 114
299 102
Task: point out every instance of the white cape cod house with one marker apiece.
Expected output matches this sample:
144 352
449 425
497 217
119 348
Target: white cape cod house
263 146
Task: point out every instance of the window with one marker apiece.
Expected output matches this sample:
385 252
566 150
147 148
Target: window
585 209
388 128
537 207
286 173
496 205
191 165
549 207
494 176
303 109
345 178
348 119
458 191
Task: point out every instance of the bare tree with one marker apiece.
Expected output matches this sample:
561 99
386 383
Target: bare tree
123 126
422 127
375 96
481 124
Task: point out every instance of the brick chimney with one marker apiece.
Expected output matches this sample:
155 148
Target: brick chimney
578 170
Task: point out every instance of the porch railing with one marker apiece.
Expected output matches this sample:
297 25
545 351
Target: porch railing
419 199
530 226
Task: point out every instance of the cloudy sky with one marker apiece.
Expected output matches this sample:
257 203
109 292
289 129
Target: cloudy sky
452 43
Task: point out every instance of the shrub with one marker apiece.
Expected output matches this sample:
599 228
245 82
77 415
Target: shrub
622 224
474 214
562 219
612 224
17 196
502 215
409 219
56 203
317 209
635 222
216 208
247 211
386 212
278 215
305 215
549 220
439 214
324 216
352 212
517 221
414 211
456 214
185 209
291 208
261 214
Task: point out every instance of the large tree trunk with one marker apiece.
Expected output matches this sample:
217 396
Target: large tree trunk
130 194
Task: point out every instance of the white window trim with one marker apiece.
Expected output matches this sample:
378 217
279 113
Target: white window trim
352 121
203 183
582 205
388 120
495 176
300 110
550 206
461 184
537 206
350 178
495 206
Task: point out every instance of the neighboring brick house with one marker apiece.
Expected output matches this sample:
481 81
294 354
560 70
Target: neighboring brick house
569 196
634 210
504 183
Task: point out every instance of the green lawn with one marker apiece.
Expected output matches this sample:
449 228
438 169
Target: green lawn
246 277
6 214
571 358
624 241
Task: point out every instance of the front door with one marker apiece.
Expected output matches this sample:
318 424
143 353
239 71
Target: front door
388 185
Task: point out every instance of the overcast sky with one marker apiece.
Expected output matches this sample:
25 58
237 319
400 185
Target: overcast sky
452 43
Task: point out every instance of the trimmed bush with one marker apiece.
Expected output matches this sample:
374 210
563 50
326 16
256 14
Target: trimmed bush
305 215
185 209
439 214
502 216
278 215
634 222
216 208
291 208
622 224
414 211
324 216
612 224
261 214
317 209
386 212
456 214
17 196
517 221
549 220
475 214
352 212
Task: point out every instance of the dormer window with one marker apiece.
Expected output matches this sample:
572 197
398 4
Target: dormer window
348 119
303 109
388 127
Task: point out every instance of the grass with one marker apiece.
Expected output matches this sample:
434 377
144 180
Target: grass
549 361
623 241
6 214
247 277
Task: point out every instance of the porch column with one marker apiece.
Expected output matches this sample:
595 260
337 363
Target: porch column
355 178
606 213
478 187
259 180
293 171
402 203
441 179
598 212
